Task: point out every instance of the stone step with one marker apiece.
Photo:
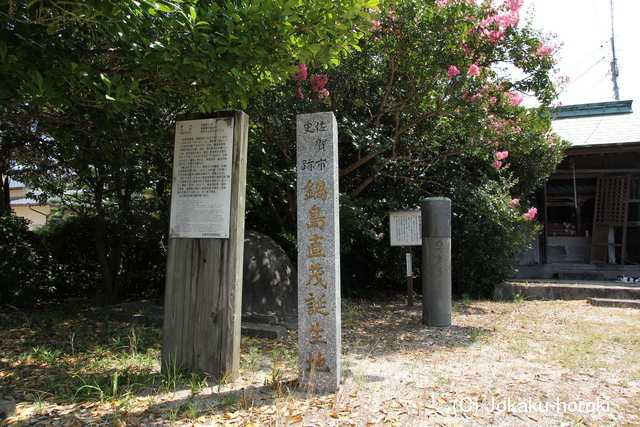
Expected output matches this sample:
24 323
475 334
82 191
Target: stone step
610 302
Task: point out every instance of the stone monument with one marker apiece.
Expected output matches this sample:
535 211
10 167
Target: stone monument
319 329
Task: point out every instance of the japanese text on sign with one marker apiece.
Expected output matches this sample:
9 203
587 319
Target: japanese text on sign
201 193
405 228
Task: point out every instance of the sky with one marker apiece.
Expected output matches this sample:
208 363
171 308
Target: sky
583 27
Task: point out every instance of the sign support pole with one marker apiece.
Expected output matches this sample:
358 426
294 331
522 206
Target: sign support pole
409 277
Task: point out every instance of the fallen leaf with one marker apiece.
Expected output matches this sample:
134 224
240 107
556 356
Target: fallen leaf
294 419
231 415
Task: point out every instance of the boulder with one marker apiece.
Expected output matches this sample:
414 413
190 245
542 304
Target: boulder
7 409
270 281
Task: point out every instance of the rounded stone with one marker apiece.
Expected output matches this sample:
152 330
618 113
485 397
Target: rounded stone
269 283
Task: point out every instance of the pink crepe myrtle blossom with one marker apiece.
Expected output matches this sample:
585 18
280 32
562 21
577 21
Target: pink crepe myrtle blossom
323 93
443 3
497 164
515 5
531 214
493 35
545 50
501 155
551 141
301 74
318 82
514 202
474 70
514 98
376 24
465 48
453 71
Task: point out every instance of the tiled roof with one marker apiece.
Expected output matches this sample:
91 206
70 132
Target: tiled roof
15 184
600 128
23 202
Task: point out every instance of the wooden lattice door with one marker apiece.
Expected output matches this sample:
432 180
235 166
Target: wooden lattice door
610 219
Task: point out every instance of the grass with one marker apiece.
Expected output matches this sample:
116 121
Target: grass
55 356
573 342
64 355
59 359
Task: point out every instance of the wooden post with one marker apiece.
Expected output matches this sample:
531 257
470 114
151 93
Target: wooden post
203 292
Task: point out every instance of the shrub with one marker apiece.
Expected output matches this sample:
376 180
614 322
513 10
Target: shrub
72 246
25 269
76 269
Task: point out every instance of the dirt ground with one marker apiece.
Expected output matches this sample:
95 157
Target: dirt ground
553 363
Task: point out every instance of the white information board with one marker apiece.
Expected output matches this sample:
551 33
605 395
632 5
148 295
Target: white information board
201 192
405 228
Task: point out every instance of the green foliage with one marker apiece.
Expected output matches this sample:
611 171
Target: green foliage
73 252
425 109
112 55
24 265
487 235
369 265
99 85
72 244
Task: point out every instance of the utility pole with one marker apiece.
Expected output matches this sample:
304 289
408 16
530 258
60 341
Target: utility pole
614 62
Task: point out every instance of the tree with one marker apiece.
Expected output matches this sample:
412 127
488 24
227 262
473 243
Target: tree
431 106
101 82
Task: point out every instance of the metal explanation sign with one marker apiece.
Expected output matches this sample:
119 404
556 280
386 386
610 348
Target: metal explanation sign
201 199
405 228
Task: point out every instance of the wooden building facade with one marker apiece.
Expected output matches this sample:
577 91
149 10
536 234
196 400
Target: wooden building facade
590 207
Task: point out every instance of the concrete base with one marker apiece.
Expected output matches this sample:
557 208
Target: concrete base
259 330
558 290
571 271
149 313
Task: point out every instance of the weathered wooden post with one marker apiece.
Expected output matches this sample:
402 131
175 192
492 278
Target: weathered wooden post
319 328
203 292
436 261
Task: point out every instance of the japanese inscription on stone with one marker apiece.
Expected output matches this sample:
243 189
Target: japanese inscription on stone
319 330
201 194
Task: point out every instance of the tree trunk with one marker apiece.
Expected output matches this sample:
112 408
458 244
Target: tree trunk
5 196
